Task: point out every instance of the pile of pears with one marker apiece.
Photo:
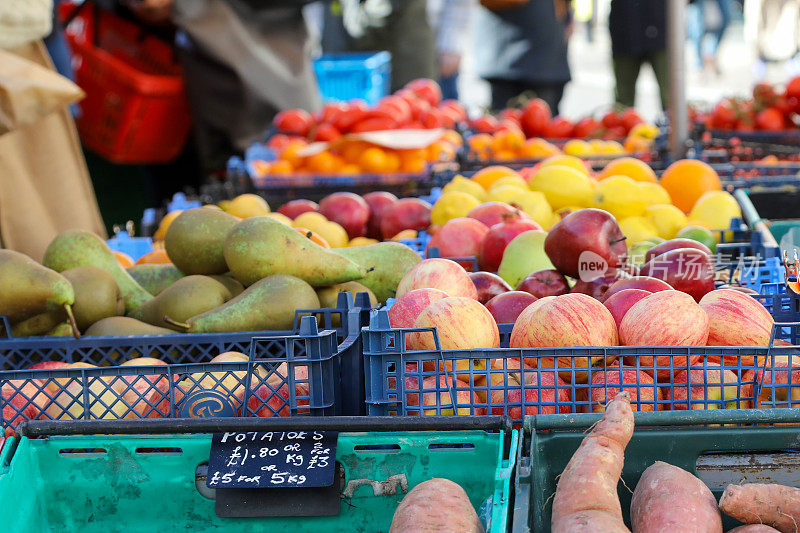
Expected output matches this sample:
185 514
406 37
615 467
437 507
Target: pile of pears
225 275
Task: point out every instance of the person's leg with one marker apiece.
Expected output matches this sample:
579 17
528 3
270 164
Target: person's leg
550 93
658 61
449 87
503 91
626 72
695 29
725 19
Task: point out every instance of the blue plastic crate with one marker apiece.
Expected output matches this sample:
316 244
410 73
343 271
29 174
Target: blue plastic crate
135 247
324 373
349 76
488 381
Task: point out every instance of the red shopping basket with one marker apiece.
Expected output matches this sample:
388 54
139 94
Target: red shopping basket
135 110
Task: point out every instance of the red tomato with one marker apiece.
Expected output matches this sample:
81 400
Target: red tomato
615 133
770 119
278 141
430 119
764 94
459 112
484 124
724 115
535 117
630 118
325 132
396 107
514 115
294 121
329 112
356 111
793 88
611 120
558 128
374 124
507 124
427 90
587 127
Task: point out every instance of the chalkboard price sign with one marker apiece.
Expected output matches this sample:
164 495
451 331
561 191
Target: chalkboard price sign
272 459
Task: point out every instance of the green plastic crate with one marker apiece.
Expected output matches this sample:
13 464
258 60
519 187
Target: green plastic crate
719 455
128 489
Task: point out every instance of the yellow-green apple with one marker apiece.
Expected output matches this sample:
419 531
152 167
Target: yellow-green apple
709 388
607 383
506 307
459 237
583 236
645 283
496 240
462 324
620 302
675 244
145 392
540 392
523 255
348 210
563 321
686 269
231 383
547 282
437 273
378 202
436 398
780 380
408 213
407 308
736 319
488 285
105 402
665 318
491 213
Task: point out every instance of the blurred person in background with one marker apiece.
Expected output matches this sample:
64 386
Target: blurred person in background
773 28
523 49
450 19
708 18
638 35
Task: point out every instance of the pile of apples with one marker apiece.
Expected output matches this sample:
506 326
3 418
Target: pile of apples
588 297
769 109
132 395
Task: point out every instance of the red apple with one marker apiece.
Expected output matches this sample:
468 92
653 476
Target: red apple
567 320
585 244
147 391
460 237
408 213
685 269
271 397
645 283
736 319
674 244
408 307
348 210
542 393
488 285
743 290
438 273
378 202
780 381
597 287
491 213
606 384
545 283
462 323
436 398
498 237
622 301
506 307
709 388
295 208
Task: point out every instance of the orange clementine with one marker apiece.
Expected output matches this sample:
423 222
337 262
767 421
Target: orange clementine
452 137
441 151
372 160
315 237
350 169
687 180
629 166
291 152
636 144
412 163
261 167
505 155
508 140
352 150
156 257
322 163
124 259
281 168
487 176
392 161
538 149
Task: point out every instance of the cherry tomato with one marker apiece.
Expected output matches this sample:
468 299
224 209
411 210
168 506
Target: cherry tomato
484 124
535 117
427 90
325 132
293 121
558 128
611 120
630 118
587 127
770 119
373 124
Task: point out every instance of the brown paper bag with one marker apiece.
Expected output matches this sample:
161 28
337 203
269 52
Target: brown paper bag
44 184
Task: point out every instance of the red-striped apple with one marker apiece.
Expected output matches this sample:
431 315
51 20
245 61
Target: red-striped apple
709 388
437 273
607 383
621 302
736 319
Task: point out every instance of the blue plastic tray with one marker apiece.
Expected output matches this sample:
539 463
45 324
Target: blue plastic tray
350 76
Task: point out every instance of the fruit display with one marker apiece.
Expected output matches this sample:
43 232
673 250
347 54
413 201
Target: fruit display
769 109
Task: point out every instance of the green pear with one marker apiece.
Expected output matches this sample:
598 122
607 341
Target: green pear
123 325
97 295
233 286
76 248
329 297
386 264
524 255
187 297
39 324
154 278
28 288
61 330
195 239
268 304
259 247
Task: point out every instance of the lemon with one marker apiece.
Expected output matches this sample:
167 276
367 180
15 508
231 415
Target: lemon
310 220
405 234
248 205
281 218
452 204
224 204
653 193
534 204
563 186
516 181
565 161
619 195
667 219
644 130
554 219
612 147
578 148
504 193
715 209
361 241
598 145
460 183
333 233
637 229
165 222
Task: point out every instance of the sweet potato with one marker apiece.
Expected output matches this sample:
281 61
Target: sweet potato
586 496
758 503
754 528
436 505
670 499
